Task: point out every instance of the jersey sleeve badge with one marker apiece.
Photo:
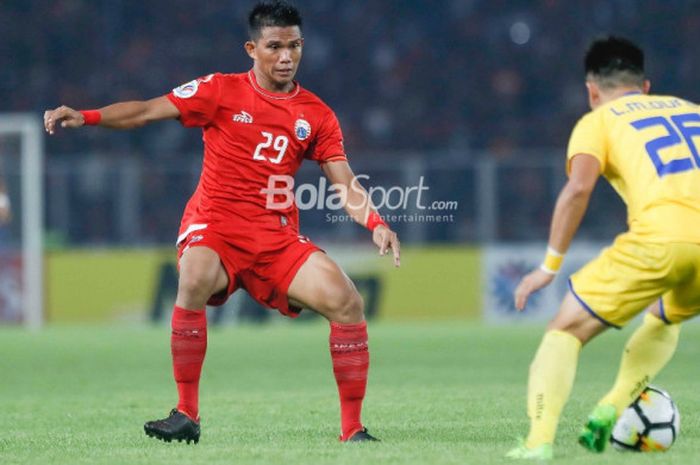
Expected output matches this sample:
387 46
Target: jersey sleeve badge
188 89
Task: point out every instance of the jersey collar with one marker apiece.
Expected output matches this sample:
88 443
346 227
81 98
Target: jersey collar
270 94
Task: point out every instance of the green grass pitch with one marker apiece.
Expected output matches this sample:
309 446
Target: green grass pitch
438 393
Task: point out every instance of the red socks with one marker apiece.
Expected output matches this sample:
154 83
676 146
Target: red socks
188 345
350 355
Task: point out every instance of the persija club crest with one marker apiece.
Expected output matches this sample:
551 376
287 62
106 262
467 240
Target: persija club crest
302 129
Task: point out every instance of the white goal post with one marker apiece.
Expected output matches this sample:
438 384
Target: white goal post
29 129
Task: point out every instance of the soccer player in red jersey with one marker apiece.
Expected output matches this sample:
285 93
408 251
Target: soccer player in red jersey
237 231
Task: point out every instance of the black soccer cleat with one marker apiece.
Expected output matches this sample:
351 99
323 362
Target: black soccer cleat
177 426
362 436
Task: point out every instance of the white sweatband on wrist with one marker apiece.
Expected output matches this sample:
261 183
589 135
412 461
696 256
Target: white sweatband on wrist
552 261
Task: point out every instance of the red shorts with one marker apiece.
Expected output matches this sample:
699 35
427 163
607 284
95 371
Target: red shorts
260 257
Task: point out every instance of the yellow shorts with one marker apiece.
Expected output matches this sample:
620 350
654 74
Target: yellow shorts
631 274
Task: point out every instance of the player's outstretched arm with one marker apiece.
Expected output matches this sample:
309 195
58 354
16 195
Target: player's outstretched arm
568 213
359 206
122 115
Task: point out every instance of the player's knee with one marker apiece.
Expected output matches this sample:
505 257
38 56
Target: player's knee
582 331
347 307
193 285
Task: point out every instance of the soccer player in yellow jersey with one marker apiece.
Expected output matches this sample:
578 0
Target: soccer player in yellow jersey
647 147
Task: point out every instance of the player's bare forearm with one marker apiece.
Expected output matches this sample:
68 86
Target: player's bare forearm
569 210
122 115
356 201
128 115
359 206
573 201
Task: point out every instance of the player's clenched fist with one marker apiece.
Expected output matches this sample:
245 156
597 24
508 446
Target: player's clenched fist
387 239
63 115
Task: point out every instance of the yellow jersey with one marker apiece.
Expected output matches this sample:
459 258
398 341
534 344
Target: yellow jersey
646 146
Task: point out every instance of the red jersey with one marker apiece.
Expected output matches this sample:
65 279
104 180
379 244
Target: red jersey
250 134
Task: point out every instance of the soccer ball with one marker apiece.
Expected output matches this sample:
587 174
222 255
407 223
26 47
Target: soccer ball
650 424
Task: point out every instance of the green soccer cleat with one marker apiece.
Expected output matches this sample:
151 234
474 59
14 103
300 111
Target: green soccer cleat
596 434
522 452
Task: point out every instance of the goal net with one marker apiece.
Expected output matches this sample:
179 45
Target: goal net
21 211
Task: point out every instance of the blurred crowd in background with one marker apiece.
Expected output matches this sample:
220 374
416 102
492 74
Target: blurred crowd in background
452 80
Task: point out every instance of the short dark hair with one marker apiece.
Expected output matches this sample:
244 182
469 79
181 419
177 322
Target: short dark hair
272 14
615 61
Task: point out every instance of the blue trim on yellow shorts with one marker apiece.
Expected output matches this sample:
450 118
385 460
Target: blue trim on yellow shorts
662 311
589 309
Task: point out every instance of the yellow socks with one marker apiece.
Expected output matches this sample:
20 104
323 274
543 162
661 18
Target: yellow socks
647 351
552 375
553 370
